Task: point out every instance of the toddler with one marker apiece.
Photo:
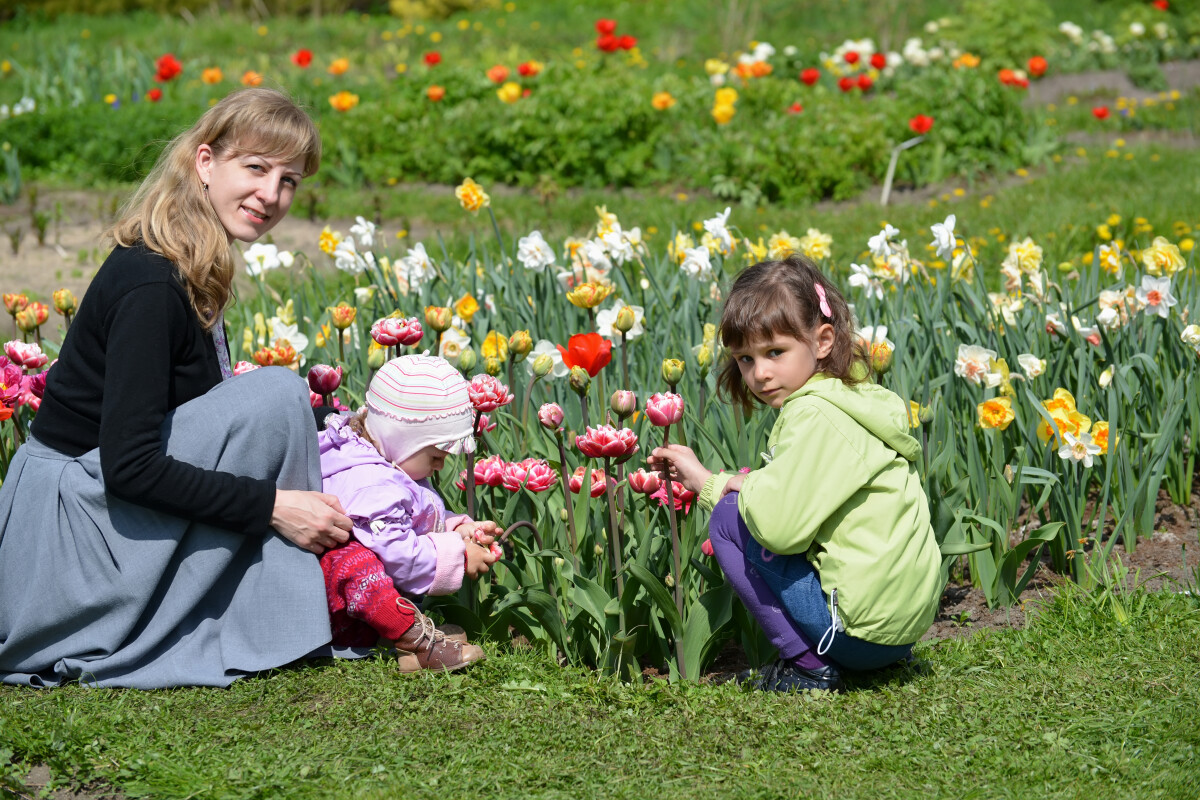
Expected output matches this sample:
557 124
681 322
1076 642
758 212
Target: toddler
828 544
404 544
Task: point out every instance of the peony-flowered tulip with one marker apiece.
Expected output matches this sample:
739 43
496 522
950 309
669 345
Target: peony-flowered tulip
324 379
535 474
32 316
490 471
683 497
438 318
519 344
605 441
487 394
393 331
590 294
64 302
342 315
579 380
25 355
664 408
598 482
14 302
550 415
623 403
644 482
242 367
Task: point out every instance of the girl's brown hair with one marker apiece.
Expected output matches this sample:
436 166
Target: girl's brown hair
170 213
780 297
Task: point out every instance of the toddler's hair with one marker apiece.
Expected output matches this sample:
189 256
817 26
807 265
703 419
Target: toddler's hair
780 297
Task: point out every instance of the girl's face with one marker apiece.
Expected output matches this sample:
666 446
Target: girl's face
774 368
250 193
423 463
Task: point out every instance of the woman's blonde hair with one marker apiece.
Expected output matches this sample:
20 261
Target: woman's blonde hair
170 211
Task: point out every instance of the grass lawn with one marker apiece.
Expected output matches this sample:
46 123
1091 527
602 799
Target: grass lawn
1076 705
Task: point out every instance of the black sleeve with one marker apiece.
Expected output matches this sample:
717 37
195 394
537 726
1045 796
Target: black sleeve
144 330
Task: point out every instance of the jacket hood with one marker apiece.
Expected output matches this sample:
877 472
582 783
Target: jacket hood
343 449
879 410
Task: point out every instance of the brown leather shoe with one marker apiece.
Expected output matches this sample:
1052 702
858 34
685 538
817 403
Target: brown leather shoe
423 646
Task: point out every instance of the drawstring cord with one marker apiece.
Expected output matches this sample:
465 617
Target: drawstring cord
834 626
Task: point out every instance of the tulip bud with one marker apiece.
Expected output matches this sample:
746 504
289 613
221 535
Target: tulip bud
598 550
550 416
669 581
467 359
881 357
493 366
925 414
343 316
438 317
672 371
704 357
64 302
542 365
580 380
519 344
562 514
558 562
625 319
376 355
623 403
15 302
324 379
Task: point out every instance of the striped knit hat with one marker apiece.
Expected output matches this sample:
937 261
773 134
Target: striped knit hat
417 401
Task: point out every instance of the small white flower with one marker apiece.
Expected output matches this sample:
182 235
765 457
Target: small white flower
1079 449
606 318
280 330
1031 365
1137 28
974 363
881 243
1191 336
1106 377
416 268
1109 319
943 237
1155 293
364 230
864 278
718 227
261 257
697 264
347 259
534 253
560 369
363 295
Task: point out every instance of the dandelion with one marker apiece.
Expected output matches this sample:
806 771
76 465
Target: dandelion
471 196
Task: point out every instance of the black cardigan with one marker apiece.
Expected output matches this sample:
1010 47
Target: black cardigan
134 352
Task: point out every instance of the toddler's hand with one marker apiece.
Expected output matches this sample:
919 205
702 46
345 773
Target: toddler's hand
479 559
734 485
681 464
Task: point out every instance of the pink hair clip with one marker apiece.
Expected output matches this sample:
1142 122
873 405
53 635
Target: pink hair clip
825 309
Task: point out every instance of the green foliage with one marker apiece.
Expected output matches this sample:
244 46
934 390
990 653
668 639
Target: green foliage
1005 31
436 9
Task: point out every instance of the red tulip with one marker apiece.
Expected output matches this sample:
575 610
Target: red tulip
921 124
878 60
851 57
846 84
865 82
707 548
1100 112
664 408
644 482
154 95
1037 66
302 58
605 27
324 379
551 416
168 68
433 58
498 74
608 43
627 42
605 441
590 351
598 482
1161 5
810 75
487 393
795 108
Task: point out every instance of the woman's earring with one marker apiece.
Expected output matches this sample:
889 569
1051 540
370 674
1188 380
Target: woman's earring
206 188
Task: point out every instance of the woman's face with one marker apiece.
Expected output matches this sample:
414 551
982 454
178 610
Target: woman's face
250 193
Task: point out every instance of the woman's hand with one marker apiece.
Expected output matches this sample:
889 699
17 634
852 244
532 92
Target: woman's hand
478 560
312 520
682 465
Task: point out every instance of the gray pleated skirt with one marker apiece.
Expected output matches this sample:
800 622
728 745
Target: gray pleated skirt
114 594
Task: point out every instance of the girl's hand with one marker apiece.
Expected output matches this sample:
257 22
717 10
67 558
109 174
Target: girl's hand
483 533
478 560
682 465
734 485
312 520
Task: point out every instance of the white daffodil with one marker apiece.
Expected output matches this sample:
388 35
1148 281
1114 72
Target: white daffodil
1078 449
1106 377
454 341
974 363
364 295
347 259
281 330
881 243
606 318
1055 325
261 257
416 268
943 237
546 347
864 278
1191 336
618 246
875 334
718 227
534 253
1155 293
364 230
595 256
1031 365
696 263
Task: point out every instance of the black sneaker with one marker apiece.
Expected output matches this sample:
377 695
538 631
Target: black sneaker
780 676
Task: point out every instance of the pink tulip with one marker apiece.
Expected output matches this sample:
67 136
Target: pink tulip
598 482
485 425
496 550
28 397
28 356
324 379
664 408
534 474
490 471
487 394
551 416
644 482
605 441
623 403
707 548
10 384
392 331
683 497
242 367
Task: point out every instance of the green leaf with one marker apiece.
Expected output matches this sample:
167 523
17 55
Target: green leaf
658 593
707 618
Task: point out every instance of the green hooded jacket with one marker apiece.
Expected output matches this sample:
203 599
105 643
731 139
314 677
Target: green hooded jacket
841 487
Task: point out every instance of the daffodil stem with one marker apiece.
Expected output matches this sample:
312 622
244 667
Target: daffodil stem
525 406
675 553
496 229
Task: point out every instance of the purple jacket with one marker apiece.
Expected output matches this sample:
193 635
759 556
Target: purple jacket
402 521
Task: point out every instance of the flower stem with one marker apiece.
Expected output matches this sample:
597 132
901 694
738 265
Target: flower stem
675 553
583 405
624 361
614 535
562 469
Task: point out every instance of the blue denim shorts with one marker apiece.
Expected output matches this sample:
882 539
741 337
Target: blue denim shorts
796 583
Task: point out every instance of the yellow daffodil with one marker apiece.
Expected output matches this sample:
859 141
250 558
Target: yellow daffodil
472 197
466 307
996 413
1162 258
590 294
495 346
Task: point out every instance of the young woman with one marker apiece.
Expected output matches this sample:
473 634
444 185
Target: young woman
138 524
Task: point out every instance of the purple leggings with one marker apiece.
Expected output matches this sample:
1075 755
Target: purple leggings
730 537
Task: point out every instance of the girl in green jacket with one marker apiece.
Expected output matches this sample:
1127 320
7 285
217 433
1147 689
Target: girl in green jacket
828 544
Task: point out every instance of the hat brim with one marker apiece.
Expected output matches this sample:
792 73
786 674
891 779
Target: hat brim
458 447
